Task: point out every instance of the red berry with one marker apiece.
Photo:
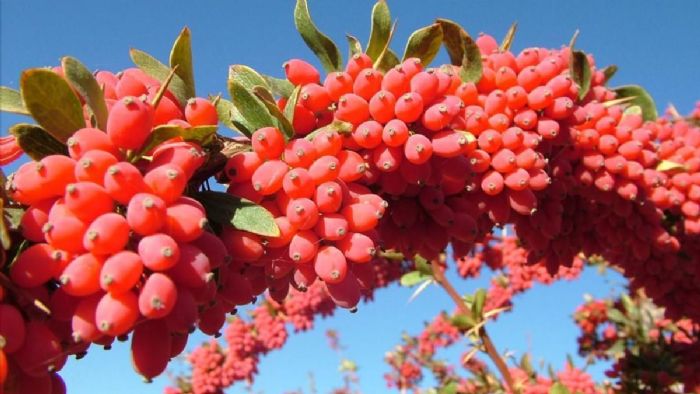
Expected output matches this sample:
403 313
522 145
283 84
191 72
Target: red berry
268 143
167 182
130 123
157 297
107 234
122 181
146 213
299 72
121 272
82 275
303 246
352 108
201 112
116 313
330 264
409 107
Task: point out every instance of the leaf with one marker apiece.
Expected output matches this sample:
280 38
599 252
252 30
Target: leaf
290 106
5 240
246 76
422 265
159 135
11 101
379 34
284 124
420 289
462 321
449 388
424 44
580 71
252 111
324 48
151 66
338 126
37 142
631 110
181 57
669 166
609 72
478 304
615 316
14 217
224 110
199 134
453 36
642 98
387 58
508 39
279 87
241 213
354 45
163 87
87 86
413 278
558 388
51 102
574 37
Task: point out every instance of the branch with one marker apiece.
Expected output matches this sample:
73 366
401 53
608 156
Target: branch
485 339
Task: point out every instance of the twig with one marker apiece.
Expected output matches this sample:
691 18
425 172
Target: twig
485 339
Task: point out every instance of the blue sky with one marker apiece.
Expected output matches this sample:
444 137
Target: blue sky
654 44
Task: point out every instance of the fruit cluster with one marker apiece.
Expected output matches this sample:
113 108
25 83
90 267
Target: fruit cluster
115 246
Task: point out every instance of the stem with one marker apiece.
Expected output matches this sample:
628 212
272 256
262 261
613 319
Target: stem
485 338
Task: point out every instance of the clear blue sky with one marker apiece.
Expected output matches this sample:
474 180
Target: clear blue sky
655 44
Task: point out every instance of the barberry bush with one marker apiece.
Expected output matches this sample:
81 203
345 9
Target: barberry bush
145 211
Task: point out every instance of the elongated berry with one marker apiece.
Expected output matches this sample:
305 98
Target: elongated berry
158 252
130 123
107 234
330 264
157 296
121 272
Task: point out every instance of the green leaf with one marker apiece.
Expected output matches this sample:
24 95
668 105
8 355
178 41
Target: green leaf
241 213
225 109
246 76
289 107
14 217
478 304
558 388
36 142
670 166
87 86
387 61
324 48
449 388
472 69
253 113
453 36
422 265
52 102
379 34
11 101
284 124
5 240
508 39
354 45
199 134
160 71
628 304
159 135
641 98
615 316
609 72
413 278
424 44
462 321
181 57
337 125
580 71
279 87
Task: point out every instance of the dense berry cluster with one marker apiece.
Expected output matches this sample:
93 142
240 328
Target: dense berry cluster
116 248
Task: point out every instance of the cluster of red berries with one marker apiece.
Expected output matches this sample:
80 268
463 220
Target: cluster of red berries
115 247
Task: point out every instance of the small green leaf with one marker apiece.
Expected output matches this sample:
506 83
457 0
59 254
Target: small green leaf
202 135
354 45
472 69
278 87
160 71
324 48
181 57
453 36
284 124
11 101
449 388
241 213
670 166
52 102
159 135
631 110
379 34
252 111
337 125
36 142
422 265
424 44
478 304
246 76
628 304
413 278
14 217
225 110
508 39
462 321
642 98
615 316
388 60
558 388
290 106
609 72
87 86
580 71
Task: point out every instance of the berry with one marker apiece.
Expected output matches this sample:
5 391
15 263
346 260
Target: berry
107 234
157 297
158 252
121 272
130 123
201 112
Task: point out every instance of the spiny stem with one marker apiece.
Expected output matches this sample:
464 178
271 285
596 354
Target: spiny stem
485 338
